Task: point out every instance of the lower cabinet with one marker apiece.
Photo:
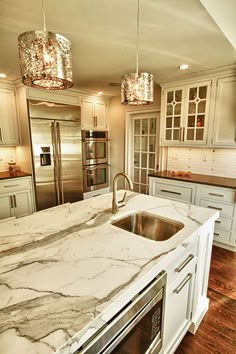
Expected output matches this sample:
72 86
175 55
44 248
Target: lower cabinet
179 296
217 198
16 198
178 310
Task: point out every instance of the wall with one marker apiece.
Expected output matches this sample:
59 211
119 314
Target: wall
216 162
7 154
117 120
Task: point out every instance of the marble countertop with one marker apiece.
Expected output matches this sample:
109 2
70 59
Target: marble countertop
66 271
7 174
217 181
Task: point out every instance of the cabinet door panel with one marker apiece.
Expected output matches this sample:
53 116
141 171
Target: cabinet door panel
225 113
87 114
100 114
23 203
6 206
8 119
179 302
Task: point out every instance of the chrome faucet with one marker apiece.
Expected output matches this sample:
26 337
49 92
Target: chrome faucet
118 204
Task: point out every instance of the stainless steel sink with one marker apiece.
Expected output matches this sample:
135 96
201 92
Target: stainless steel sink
149 226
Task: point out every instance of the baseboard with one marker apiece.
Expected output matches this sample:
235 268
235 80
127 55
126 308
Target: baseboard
223 245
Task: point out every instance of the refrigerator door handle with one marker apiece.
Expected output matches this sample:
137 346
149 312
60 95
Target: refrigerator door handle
55 158
59 162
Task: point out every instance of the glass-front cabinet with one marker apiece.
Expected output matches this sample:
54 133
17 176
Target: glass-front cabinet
185 113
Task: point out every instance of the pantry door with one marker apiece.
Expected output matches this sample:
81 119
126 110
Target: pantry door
142 148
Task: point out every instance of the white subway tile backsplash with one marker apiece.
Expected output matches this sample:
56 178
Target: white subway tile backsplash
215 162
7 154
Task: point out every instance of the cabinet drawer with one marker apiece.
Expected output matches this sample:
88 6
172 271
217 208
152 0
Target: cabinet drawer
184 260
169 191
14 184
222 235
224 209
218 194
223 222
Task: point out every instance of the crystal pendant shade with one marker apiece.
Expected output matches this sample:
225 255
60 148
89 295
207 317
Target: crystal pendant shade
137 89
45 60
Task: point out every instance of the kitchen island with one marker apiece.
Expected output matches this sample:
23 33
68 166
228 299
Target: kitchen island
66 271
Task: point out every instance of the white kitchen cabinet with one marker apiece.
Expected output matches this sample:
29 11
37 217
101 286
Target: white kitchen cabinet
171 189
185 114
16 197
66 97
93 114
224 119
9 134
178 309
207 196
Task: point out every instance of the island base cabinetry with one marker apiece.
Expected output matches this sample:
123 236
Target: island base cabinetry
178 313
186 294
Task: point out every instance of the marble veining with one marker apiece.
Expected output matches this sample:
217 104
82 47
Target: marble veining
64 272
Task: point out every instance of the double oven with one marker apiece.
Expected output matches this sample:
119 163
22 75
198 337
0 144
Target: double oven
95 159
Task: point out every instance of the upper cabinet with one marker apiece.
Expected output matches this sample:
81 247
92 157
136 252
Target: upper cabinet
9 134
185 114
224 119
93 114
200 112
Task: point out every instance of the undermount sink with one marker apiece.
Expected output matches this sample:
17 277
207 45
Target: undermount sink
149 226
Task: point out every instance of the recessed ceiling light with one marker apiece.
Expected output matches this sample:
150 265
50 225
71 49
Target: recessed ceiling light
183 67
100 93
2 75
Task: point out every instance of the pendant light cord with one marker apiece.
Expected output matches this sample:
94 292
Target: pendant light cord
137 44
44 20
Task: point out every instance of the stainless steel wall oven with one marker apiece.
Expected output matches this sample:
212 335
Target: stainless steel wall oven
95 147
138 328
95 159
96 177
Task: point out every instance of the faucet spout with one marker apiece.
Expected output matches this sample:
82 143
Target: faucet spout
118 204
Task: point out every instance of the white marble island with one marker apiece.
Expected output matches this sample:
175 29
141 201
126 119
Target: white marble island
65 271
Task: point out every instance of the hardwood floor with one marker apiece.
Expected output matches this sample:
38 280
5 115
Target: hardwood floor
217 332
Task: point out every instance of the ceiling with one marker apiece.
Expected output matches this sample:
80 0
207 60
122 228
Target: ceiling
103 36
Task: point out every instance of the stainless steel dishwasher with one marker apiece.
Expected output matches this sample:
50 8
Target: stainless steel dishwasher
137 328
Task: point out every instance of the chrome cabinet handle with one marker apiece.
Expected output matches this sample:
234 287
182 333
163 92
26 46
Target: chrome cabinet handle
14 199
184 282
216 195
59 160
1 139
165 190
12 185
212 207
185 262
11 201
94 121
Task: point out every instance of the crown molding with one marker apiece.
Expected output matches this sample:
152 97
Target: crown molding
204 74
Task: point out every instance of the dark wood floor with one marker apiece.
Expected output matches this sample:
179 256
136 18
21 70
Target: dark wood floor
217 332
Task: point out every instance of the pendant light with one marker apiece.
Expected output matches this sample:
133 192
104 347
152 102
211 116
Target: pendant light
137 88
45 59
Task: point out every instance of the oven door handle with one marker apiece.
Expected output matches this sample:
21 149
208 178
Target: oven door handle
96 167
118 328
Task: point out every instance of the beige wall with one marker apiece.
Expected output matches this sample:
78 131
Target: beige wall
117 115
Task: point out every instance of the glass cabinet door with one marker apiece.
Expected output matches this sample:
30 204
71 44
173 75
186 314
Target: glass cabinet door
197 113
173 113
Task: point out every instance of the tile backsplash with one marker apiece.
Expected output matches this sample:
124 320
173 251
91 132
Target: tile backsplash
7 154
216 162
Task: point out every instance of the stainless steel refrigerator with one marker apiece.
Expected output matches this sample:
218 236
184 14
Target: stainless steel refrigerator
56 153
